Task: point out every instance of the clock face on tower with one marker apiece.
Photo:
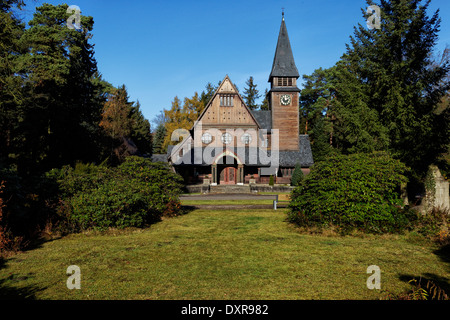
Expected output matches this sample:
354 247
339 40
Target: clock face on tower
285 99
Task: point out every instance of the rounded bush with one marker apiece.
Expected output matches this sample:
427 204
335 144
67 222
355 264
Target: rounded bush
359 191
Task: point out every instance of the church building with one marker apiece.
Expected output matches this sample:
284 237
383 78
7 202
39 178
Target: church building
230 144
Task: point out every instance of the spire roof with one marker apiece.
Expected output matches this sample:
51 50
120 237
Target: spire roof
283 63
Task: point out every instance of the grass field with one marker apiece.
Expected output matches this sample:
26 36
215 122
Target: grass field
248 254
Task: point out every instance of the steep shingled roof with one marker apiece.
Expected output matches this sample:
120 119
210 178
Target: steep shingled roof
264 118
283 63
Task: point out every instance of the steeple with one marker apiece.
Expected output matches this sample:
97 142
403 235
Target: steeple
283 63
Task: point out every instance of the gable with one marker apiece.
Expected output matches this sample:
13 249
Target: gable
227 109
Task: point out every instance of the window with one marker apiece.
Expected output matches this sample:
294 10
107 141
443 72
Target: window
246 138
226 100
285 82
207 138
227 138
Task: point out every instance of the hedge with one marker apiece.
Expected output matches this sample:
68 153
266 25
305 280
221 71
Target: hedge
359 191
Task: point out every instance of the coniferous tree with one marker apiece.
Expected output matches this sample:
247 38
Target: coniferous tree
265 103
59 117
140 130
394 67
11 81
386 92
124 122
251 94
158 140
297 175
207 95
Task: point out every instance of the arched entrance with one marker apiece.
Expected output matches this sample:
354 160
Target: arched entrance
227 169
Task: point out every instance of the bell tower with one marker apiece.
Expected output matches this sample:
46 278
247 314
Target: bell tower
284 93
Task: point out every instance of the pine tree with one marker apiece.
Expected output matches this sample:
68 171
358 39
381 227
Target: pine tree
207 95
11 81
140 130
251 94
297 175
158 140
265 103
401 83
59 115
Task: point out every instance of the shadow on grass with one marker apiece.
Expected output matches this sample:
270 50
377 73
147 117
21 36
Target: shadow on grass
187 210
441 282
9 292
444 254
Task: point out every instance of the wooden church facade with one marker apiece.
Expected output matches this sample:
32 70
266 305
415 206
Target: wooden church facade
231 144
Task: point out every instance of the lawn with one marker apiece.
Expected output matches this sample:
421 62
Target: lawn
247 254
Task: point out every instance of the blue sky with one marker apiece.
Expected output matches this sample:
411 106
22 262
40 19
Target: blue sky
163 49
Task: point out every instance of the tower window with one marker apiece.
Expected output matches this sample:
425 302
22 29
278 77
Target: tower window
226 100
285 82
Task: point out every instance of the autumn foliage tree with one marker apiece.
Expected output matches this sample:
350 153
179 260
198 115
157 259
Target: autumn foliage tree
182 116
125 124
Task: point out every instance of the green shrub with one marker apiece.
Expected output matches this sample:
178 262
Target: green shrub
135 194
297 176
435 225
359 191
271 181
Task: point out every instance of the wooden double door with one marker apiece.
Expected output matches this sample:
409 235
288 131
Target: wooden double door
228 175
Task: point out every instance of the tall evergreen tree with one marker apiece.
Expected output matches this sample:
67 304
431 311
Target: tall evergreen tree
124 122
158 140
11 81
59 117
251 94
265 102
394 66
208 93
140 130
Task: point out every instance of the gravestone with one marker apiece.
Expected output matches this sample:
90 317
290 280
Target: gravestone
437 191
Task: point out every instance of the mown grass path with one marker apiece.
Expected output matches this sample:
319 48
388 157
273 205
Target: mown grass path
244 254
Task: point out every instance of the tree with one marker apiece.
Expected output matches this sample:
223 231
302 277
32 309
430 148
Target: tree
116 114
385 92
182 116
207 95
140 130
11 30
356 125
297 176
402 85
176 119
265 103
158 140
124 122
59 118
251 94
316 99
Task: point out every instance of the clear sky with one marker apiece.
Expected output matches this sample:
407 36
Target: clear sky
162 49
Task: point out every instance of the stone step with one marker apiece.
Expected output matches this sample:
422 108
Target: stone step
230 189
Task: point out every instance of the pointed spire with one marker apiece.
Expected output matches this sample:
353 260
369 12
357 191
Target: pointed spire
283 63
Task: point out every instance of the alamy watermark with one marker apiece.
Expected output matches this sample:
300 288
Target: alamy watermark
74 280
374 20
209 146
74 21
374 281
